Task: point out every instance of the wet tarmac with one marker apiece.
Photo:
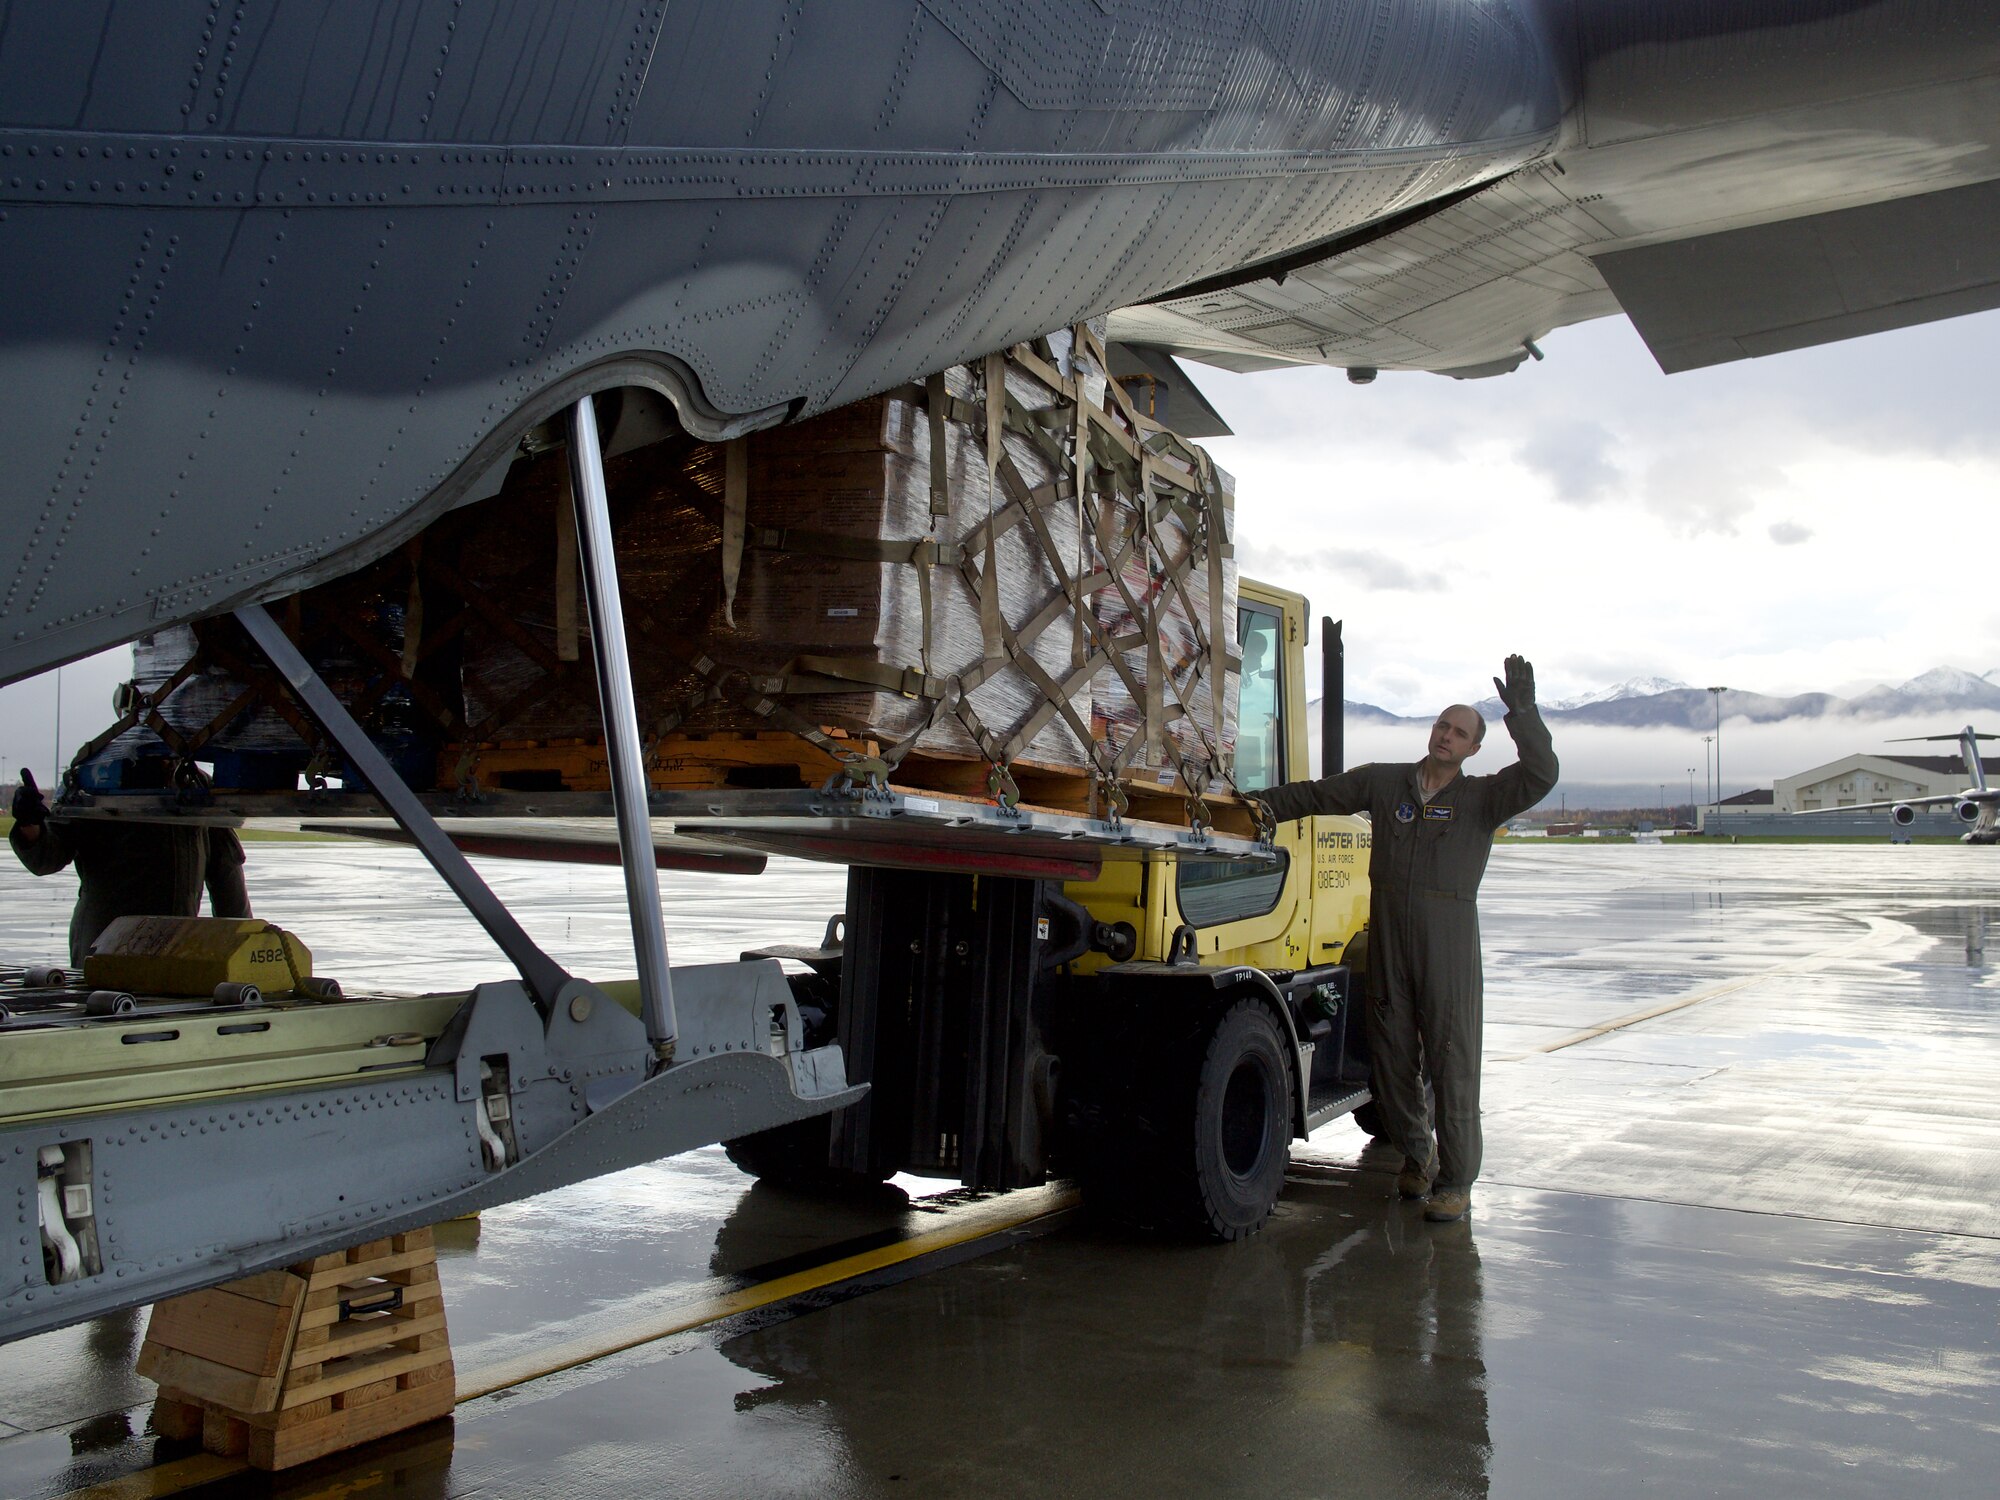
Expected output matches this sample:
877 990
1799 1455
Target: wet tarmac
1739 1235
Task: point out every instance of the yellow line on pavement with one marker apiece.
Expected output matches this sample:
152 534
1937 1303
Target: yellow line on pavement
993 1217
976 1221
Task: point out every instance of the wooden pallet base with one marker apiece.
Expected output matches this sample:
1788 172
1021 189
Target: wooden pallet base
779 760
290 1365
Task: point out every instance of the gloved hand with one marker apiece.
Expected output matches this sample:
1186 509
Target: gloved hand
1518 691
29 810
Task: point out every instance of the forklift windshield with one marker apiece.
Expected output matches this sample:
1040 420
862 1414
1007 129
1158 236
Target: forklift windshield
1260 741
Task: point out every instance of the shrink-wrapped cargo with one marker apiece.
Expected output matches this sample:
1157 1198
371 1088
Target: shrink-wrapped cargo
850 589
1171 617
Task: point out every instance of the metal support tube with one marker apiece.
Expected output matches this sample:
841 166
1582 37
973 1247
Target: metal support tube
621 726
542 974
1332 698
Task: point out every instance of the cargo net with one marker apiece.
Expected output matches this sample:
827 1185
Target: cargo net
1005 578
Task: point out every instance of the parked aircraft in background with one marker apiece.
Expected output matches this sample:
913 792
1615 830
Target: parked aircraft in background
1978 804
286 289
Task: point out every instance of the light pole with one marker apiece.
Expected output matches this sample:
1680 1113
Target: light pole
1690 794
1663 804
1718 692
1707 779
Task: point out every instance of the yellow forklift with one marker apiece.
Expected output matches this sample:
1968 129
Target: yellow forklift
1012 992
1161 1029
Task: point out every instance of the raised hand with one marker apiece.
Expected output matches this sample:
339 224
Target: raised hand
29 810
1518 691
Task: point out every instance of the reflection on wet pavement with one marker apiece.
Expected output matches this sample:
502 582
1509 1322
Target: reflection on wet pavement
1842 1068
1748 1246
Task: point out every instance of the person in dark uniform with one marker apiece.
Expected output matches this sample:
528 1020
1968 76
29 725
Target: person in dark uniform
128 869
1433 831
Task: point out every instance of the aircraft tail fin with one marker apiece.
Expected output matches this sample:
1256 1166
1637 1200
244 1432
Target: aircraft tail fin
1968 740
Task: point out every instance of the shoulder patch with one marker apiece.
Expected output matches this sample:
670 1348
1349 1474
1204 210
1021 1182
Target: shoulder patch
1406 812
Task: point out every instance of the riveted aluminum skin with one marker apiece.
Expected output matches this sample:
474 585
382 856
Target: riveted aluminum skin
190 1194
288 280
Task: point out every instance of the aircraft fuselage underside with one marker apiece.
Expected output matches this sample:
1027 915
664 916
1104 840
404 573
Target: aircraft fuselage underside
316 240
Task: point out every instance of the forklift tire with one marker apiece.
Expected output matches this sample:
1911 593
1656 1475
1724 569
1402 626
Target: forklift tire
794 1156
1226 1148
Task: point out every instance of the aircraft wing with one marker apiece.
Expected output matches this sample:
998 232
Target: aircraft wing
1951 799
1740 179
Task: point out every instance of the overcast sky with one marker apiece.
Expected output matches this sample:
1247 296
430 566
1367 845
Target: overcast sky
1811 521
1804 522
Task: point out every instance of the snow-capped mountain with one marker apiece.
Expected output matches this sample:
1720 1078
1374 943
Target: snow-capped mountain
1940 690
1636 687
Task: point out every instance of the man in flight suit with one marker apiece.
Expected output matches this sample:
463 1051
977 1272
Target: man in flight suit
1433 830
128 869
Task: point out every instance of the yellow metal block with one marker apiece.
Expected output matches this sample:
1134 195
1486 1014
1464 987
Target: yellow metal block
192 955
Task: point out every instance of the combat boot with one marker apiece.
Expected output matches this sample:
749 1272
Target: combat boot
1448 1205
1415 1180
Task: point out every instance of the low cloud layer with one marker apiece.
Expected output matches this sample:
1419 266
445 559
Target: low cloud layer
1595 757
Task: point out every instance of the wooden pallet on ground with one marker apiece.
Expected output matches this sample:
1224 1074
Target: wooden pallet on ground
290 1365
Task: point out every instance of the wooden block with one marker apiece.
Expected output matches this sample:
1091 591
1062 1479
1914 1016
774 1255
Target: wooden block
359 1370
361 1395
343 1271
443 1370
361 1335
227 1329
221 1433
207 1381
413 1239
373 1250
267 1286
177 1419
295 1443
310 1411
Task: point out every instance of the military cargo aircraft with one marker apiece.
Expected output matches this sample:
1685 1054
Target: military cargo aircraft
288 282
1978 804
